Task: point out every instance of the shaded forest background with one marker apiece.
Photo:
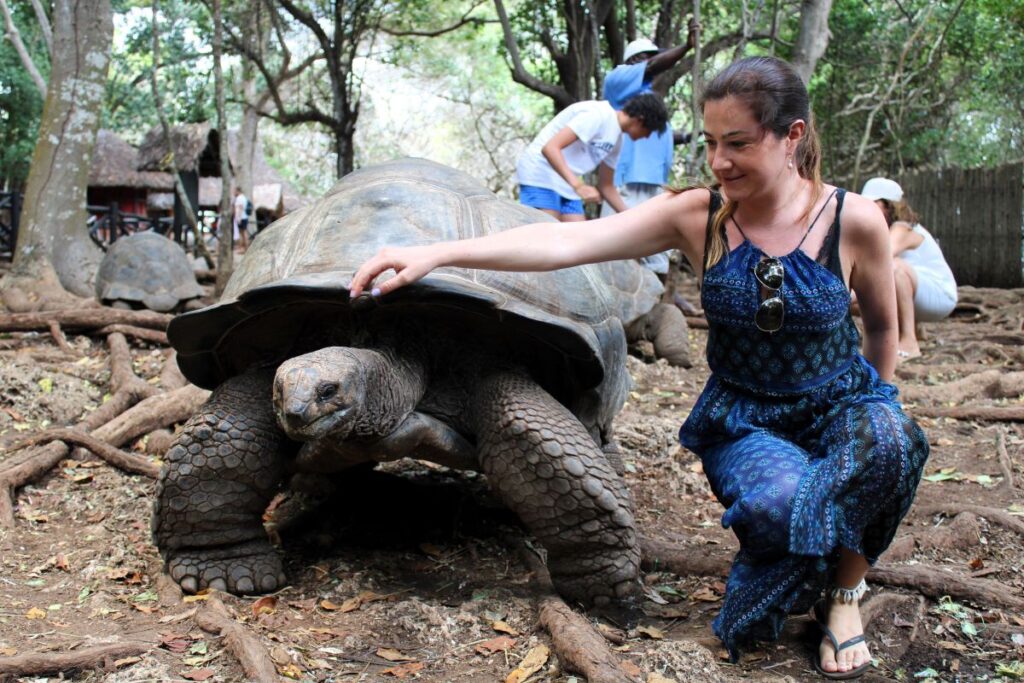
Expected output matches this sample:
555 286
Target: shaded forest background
335 85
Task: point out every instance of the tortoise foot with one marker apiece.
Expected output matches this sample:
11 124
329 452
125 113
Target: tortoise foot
600 583
242 569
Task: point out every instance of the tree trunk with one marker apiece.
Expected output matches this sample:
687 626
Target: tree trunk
225 225
53 247
813 37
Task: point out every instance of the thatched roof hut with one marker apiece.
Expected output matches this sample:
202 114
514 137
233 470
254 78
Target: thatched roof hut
196 149
115 164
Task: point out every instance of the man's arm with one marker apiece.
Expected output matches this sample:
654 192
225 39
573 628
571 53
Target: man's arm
663 61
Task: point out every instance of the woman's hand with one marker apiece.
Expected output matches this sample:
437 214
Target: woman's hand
409 263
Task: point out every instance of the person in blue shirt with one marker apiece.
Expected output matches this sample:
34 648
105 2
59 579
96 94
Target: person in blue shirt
644 165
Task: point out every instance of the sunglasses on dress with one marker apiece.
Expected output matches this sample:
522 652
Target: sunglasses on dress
770 273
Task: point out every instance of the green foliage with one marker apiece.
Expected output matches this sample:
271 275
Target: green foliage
21 104
939 86
185 76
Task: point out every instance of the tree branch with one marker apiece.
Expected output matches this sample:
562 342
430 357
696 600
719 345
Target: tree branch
519 74
465 19
44 24
26 59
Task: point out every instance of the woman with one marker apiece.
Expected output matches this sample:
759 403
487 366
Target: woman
925 287
800 435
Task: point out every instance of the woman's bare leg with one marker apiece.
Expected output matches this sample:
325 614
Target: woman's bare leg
844 619
906 286
571 217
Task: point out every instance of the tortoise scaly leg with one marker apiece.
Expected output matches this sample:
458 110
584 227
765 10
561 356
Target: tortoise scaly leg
219 476
547 468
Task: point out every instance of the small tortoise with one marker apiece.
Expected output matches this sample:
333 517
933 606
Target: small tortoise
146 270
517 375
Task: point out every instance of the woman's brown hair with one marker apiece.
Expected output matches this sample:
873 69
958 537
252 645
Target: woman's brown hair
777 97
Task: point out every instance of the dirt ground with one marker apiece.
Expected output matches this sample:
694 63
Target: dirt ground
416 573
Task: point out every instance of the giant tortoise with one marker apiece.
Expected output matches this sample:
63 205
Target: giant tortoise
517 375
146 270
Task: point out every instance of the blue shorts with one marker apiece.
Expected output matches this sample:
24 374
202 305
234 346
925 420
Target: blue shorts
543 198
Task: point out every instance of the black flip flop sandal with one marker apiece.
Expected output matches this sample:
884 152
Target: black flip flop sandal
821 617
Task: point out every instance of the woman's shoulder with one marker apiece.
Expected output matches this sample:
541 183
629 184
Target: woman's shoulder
861 218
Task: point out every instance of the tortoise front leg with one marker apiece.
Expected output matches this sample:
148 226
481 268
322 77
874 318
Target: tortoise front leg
219 476
547 468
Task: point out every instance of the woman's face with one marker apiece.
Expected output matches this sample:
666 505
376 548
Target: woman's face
745 159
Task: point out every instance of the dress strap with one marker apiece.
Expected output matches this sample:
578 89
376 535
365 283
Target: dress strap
816 217
828 256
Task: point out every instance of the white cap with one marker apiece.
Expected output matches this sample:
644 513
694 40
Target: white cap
882 188
638 46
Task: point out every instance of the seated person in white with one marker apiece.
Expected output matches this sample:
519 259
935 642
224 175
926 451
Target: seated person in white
925 287
583 136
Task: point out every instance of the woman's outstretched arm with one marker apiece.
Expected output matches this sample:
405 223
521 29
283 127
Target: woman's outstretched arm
664 222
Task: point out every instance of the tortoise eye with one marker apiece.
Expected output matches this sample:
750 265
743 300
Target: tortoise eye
327 391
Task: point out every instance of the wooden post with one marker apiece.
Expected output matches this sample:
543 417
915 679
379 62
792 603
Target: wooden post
114 221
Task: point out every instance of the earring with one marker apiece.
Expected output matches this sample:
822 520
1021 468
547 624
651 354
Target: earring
790 163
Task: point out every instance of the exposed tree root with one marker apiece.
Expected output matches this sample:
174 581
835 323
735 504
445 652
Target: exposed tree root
83 319
29 468
987 384
697 323
115 456
125 386
154 412
214 618
993 515
962 532
1005 464
100 656
104 431
980 413
170 376
681 560
579 646
145 334
920 371
880 604
936 583
59 338
576 642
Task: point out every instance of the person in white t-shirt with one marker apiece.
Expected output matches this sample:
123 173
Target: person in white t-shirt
583 136
240 218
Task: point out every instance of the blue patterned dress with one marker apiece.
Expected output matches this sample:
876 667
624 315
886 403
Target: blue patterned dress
801 441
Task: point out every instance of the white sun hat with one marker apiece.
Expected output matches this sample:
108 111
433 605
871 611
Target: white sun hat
638 46
882 188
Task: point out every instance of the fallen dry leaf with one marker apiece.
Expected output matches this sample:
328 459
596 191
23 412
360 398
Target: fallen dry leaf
118 663
291 671
631 669
198 597
952 645
8 651
651 632
35 613
175 618
655 677
403 670
531 664
198 674
705 594
393 655
502 627
265 605
499 644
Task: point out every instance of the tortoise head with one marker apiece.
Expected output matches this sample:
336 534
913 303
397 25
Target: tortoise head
322 393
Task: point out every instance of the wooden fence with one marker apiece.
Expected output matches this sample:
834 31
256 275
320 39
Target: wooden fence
977 216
